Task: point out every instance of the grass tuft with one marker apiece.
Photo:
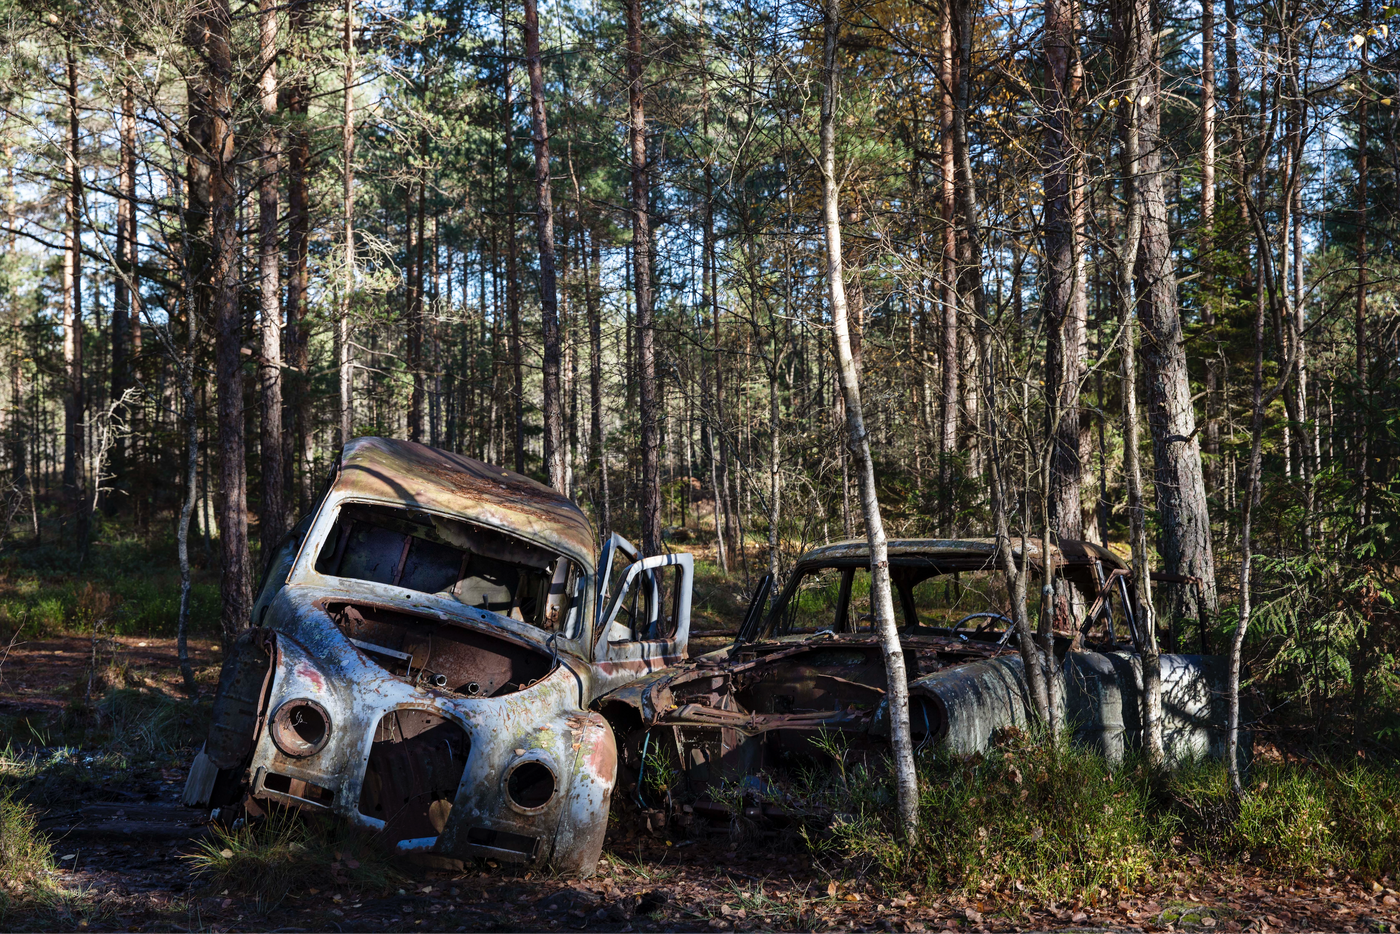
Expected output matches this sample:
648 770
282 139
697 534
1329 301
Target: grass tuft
289 852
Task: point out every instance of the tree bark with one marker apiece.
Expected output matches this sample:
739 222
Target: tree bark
345 409
1182 509
124 292
302 438
273 519
1211 444
1138 63
75 401
212 99
950 361
512 279
897 686
554 450
1063 300
650 493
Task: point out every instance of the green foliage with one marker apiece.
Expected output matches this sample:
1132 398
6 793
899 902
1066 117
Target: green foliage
1060 823
268 859
131 586
25 859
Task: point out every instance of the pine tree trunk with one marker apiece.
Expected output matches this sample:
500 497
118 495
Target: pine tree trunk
345 408
950 360
650 493
555 464
1135 21
897 685
75 402
1182 510
301 439
212 99
124 288
512 279
273 518
1063 300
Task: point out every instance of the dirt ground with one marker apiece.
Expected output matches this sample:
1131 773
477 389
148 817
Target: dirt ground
120 879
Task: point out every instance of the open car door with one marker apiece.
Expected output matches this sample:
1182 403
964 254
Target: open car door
643 613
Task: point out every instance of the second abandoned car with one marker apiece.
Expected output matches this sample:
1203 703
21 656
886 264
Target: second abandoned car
425 649
810 667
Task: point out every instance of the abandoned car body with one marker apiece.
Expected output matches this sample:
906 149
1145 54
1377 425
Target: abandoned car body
811 666
423 654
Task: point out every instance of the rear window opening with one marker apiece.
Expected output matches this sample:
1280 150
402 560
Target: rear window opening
431 554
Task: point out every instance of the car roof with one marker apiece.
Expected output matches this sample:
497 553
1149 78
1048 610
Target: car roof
962 550
394 472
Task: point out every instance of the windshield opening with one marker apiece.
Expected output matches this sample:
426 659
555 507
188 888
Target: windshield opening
477 566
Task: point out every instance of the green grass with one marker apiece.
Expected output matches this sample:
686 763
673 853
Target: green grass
267 860
129 587
1061 824
26 864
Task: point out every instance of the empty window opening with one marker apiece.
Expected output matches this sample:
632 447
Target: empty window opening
477 566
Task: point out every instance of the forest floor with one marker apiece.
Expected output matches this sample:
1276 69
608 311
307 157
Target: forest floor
704 879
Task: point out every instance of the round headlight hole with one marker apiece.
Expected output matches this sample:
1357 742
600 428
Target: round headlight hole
301 727
531 785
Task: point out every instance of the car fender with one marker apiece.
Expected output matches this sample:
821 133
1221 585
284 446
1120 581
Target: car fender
579 840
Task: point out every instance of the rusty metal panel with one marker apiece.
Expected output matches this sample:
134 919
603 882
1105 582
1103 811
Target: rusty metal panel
405 473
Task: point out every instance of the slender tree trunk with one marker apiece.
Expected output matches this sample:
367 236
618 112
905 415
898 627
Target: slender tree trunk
274 515
298 281
416 318
951 361
1251 495
1211 444
217 150
650 498
512 279
190 423
555 463
75 401
123 293
1182 508
343 357
897 686
1136 24
1063 300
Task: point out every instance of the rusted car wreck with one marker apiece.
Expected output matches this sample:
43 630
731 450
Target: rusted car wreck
424 652
811 665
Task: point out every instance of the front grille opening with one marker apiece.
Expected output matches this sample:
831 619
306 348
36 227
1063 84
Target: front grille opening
297 788
415 765
503 840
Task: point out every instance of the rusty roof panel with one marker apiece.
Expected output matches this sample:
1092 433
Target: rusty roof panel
1067 551
387 470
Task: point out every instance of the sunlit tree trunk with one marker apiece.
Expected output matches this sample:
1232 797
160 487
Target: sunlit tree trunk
343 357
897 686
1063 300
1182 510
1135 23
273 519
649 498
555 464
217 152
75 397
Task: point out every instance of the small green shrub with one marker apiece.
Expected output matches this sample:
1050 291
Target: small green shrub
25 860
267 859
